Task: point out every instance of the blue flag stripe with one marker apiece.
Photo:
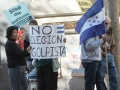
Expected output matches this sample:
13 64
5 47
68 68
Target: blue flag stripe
60 31
60 27
91 32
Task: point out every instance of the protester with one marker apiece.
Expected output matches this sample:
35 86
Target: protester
20 42
91 61
47 73
46 76
112 71
20 39
26 44
16 60
90 27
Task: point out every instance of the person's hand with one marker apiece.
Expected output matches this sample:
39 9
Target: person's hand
103 54
29 48
104 39
64 40
106 46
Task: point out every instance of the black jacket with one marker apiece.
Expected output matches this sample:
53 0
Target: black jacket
15 56
27 44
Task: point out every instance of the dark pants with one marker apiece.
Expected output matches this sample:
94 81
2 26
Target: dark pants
113 75
93 75
47 79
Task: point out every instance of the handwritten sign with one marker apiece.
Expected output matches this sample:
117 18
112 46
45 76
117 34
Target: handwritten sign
47 41
84 4
71 64
19 15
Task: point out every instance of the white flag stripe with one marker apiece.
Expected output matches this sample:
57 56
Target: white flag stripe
100 19
60 29
61 25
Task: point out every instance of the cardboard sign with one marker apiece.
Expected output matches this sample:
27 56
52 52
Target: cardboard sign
19 15
71 64
84 4
47 41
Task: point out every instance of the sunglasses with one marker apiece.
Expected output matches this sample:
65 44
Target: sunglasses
106 23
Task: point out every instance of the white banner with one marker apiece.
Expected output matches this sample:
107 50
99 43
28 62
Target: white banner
47 41
71 64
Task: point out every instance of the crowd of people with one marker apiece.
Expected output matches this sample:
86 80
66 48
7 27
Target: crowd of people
93 57
19 61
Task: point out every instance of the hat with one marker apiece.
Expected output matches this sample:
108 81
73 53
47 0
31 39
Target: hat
20 32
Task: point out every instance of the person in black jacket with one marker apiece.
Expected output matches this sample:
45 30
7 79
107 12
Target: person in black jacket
16 60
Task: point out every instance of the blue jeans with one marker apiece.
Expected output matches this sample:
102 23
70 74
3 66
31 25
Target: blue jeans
18 78
113 75
93 75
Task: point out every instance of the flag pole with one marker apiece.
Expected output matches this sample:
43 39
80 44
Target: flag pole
107 77
107 7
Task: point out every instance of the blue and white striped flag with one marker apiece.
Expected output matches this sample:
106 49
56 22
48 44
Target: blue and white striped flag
92 22
60 29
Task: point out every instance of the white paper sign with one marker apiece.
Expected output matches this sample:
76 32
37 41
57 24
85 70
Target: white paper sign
71 64
47 41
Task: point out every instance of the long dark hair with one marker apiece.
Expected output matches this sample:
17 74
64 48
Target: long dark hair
10 30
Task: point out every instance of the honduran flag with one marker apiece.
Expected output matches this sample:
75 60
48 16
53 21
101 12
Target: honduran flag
92 23
60 28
